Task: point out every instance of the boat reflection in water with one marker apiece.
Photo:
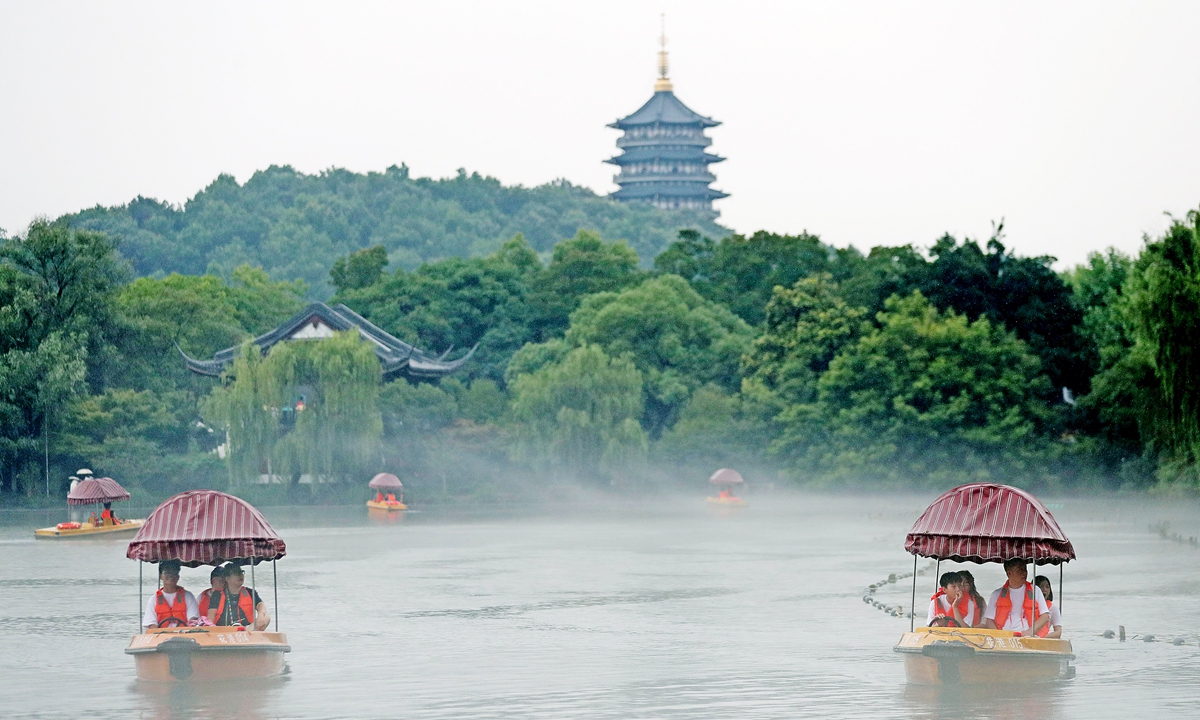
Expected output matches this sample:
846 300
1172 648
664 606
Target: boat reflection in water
981 523
206 527
242 699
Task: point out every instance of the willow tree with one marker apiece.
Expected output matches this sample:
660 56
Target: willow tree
308 408
1164 302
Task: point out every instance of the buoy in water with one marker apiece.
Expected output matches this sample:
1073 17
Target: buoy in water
1108 634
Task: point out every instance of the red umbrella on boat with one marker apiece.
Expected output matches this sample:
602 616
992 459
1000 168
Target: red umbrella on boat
206 527
987 522
385 481
93 491
726 476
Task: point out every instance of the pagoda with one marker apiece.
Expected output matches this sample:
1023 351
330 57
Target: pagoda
663 159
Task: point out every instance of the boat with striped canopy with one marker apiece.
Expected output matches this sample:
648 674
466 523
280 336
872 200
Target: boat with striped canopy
206 527
985 523
93 491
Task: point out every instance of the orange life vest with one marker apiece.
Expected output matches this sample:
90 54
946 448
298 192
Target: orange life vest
1004 607
966 608
391 498
378 497
245 604
171 615
206 601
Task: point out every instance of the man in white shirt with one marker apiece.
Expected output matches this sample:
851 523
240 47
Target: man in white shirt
171 605
1010 609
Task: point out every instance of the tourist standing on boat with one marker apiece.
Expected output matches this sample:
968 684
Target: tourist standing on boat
1043 583
1017 605
171 606
240 605
211 598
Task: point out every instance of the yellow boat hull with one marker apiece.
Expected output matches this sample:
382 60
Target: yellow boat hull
975 656
89 530
389 506
727 502
204 654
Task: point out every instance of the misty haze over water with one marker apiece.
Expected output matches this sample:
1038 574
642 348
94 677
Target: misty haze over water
614 609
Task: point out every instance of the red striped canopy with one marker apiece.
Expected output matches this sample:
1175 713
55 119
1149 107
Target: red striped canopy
206 527
987 522
97 490
385 481
726 476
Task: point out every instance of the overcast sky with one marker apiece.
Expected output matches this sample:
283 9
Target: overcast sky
865 123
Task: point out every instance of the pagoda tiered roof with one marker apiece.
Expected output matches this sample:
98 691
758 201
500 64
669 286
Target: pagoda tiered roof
664 107
319 321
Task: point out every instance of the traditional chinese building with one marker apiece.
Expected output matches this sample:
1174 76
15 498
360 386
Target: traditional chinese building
663 159
319 321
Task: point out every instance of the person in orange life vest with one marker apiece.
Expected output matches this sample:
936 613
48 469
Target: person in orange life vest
171 606
107 517
941 604
724 494
239 605
1017 605
391 497
93 520
969 588
379 496
212 596
1043 583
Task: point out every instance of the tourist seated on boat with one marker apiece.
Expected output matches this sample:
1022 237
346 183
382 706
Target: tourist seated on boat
379 496
1043 583
1017 605
968 583
108 517
93 520
212 596
171 605
239 605
941 605
725 494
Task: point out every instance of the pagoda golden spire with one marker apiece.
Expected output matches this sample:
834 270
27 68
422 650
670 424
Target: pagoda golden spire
663 84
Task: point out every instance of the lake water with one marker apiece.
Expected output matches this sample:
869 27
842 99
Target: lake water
655 609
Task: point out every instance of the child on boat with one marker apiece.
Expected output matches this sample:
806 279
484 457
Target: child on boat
1043 584
212 596
941 605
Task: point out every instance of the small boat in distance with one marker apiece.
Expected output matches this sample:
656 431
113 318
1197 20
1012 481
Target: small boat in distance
206 527
726 479
93 491
390 484
986 523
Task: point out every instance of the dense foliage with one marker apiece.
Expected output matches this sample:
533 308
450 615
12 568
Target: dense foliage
296 226
776 354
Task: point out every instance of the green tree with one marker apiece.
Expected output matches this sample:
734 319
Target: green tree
579 416
741 272
1164 304
581 266
359 269
926 397
677 340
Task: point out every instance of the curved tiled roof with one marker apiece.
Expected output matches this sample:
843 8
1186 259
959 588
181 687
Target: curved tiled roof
664 107
396 356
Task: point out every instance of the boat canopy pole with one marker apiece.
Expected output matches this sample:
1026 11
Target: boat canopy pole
254 612
139 615
275 581
1060 570
937 573
912 615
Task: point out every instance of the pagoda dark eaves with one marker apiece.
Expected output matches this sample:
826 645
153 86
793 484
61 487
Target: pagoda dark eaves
663 156
319 321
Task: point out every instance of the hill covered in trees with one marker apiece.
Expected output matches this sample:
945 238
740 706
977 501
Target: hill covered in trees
294 225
